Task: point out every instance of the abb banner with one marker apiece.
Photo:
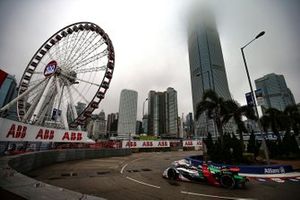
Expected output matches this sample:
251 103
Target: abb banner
17 131
192 143
145 144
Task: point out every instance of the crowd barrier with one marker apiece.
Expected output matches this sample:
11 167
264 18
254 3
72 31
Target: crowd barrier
247 169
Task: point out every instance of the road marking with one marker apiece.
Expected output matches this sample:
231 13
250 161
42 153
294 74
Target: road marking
214 196
278 180
294 180
261 180
123 168
143 183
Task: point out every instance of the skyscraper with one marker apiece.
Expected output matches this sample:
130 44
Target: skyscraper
276 94
111 118
8 91
189 125
207 68
171 112
127 113
163 113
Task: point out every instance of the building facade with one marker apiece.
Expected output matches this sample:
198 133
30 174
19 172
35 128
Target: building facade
8 91
163 113
127 113
207 68
189 125
145 124
276 94
112 123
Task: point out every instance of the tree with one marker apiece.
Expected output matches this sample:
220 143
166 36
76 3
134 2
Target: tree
209 143
293 115
215 108
236 112
275 120
253 145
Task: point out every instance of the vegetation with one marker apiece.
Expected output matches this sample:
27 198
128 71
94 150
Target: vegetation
228 149
214 107
236 112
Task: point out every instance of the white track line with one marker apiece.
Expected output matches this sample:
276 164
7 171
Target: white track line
214 196
140 182
123 168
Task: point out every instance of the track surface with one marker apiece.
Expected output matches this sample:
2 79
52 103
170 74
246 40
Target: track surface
139 176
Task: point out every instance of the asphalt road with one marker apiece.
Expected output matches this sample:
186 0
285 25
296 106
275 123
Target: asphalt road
139 176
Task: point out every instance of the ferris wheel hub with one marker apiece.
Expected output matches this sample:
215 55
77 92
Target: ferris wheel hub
50 68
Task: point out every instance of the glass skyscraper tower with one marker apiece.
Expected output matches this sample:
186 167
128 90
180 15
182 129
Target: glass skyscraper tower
207 67
276 94
163 113
127 113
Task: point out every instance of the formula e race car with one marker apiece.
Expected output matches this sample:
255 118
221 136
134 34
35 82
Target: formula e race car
226 177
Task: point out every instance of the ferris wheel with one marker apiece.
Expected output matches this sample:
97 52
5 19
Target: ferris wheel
67 77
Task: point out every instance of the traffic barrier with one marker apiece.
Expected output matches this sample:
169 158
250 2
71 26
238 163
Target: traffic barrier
247 169
12 167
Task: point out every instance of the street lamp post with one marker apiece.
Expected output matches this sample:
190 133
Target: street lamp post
253 95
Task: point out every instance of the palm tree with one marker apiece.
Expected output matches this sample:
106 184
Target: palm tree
215 108
236 112
275 120
293 115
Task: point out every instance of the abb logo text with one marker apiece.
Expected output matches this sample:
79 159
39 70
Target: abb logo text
16 131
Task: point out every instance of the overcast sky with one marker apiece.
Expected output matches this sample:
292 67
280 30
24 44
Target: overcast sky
150 41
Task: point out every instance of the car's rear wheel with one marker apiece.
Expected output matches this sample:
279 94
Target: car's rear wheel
227 181
172 174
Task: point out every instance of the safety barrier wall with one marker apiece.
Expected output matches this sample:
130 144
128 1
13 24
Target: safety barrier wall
12 167
248 169
26 162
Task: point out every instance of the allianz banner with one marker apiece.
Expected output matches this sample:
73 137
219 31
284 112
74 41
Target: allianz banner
18 131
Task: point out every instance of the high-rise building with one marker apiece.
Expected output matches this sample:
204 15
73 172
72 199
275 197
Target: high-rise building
96 127
163 113
189 125
276 94
145 124
171 111
8 91
207 68
127 113
80 107
139 127
111 122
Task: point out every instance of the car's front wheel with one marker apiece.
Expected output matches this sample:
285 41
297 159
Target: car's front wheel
172 174
227 181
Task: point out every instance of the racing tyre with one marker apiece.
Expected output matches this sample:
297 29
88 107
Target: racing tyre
227 181
172 174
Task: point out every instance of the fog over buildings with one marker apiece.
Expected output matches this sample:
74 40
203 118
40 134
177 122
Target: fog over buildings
150 40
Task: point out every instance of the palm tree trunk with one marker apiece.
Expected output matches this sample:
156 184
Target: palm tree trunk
220 131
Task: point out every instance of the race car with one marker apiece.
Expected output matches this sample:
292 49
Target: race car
226 177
